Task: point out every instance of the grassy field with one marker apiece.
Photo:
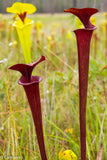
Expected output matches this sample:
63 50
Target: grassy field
59 89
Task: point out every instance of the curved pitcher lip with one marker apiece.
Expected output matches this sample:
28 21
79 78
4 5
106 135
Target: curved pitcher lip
84 15
34 80
85 29
77 10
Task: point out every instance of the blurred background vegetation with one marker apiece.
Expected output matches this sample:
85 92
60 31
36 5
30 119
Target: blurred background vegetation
51 36
51 6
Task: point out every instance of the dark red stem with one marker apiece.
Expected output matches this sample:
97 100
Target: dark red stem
31 87
83 37
83 61
33 96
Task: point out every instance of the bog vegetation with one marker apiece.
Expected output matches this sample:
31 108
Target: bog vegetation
52 37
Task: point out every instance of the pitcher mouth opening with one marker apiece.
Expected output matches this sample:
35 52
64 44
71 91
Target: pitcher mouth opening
34 79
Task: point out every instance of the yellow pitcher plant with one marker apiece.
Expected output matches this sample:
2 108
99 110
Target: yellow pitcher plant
23 26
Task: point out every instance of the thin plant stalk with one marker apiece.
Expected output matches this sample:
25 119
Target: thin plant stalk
106 34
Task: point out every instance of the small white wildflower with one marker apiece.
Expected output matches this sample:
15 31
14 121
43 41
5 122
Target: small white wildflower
10 44
47 91
2 128
4 60
94 98
75 71
45 47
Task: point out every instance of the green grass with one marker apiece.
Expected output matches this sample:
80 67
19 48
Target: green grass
59 91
